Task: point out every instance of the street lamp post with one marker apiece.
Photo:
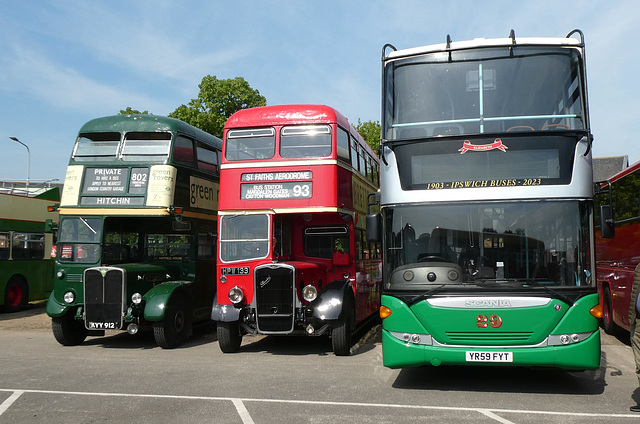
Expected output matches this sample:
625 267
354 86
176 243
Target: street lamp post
28 158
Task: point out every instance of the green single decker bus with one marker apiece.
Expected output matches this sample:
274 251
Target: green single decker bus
138 215
27 233
486 205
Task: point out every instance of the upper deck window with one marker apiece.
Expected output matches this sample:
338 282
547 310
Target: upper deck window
207 158
305 141
479 91
343 145
146 147
183 151
250 144
93 147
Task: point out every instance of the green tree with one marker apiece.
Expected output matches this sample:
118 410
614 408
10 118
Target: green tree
129 111
216 102
370 131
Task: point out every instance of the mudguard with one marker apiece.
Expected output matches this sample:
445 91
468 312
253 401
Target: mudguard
224 313
328 305
156 299
55 309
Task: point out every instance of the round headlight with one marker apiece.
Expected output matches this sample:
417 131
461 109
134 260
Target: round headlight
136 298
236 295
69 297
309 293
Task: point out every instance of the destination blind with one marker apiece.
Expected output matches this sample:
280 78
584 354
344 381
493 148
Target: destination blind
276 185
112 186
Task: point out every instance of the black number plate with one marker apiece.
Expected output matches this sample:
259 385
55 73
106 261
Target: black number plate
240 270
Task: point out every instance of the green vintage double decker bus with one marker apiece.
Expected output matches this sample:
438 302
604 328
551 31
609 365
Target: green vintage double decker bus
136 246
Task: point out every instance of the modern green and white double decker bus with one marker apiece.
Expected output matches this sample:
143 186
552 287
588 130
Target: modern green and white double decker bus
138 215
486 205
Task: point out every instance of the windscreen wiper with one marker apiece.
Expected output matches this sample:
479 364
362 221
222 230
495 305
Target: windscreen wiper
424 295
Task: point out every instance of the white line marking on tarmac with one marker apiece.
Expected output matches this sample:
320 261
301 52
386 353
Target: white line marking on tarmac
493 416
242 411
7 403
18 392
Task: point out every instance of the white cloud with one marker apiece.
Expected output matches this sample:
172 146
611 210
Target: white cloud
35 75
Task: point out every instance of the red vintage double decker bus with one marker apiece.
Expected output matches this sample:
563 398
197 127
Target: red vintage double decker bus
617 252
293 255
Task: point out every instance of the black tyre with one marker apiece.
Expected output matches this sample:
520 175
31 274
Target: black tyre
16 295
68 331
607 312
229 336
342 330
175 327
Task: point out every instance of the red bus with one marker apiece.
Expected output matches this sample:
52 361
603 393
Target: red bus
617 257
293 256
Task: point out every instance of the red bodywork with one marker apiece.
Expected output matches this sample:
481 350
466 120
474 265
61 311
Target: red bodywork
338 199
616 261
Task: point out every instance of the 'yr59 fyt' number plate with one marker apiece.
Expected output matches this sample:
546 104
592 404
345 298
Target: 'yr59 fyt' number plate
473 356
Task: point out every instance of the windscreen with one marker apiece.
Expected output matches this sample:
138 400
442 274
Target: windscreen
146 146
79 239
496 244
244 237
490 90
250 144
304 141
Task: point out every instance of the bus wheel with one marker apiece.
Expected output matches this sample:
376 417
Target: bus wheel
342 330
68 331
16 295
607 312
229 336
175 327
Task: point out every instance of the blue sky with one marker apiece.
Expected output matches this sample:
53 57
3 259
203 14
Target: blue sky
64 63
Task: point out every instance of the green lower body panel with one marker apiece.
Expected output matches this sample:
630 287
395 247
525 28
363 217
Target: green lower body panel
578 356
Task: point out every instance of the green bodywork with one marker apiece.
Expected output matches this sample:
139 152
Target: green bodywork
522 330
154 282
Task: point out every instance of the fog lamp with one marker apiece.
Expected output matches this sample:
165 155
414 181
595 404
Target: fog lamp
132 329
309 293
236 295
69 297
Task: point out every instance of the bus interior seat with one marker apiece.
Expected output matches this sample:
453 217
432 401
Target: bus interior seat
521 128
412 133
423 243
484 271
446 131
115 253
556 127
